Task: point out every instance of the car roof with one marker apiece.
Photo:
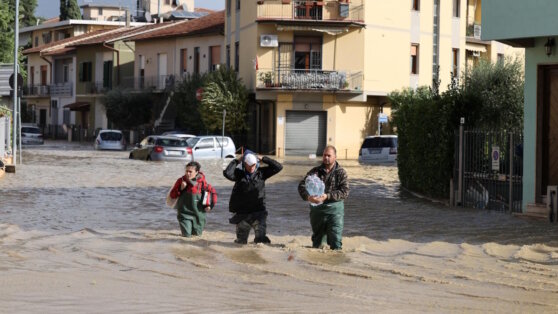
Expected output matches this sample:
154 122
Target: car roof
206 136
105 131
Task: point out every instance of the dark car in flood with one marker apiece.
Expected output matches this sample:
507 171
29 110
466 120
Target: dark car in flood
161 148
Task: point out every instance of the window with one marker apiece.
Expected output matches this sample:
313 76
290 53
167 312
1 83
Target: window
455 63
100 11
167 1
205 143
65 73
500 58
43 74
32 75
141 70
214 57
414 59
107 74
47 37
197 60
36 41
228 7
311 10
236 56
228 56
416 5
183 61
238 5
85 71
308 53
456 5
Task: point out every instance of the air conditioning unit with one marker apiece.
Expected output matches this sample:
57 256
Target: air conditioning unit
269 41
552 202
476 54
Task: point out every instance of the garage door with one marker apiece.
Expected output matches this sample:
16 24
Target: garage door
305 133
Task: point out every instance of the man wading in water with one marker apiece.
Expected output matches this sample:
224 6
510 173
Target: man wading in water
326 217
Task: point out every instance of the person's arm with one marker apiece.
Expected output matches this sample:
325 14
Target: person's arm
273 167
341 190
176 189
230 171
213 201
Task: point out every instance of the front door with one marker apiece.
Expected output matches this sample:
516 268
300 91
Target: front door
549 151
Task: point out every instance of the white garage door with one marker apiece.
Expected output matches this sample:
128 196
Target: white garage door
305 133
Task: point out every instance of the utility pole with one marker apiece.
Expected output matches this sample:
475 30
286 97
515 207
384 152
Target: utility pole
15 99
223 136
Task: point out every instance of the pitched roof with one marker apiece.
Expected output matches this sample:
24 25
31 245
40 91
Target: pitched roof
67 41
123 32
211 23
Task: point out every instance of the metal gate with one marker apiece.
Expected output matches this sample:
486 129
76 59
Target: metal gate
489 169
305 133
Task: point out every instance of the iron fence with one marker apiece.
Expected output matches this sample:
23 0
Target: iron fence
332 10
309 79
489 169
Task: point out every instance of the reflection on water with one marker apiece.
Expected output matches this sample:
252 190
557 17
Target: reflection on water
68 187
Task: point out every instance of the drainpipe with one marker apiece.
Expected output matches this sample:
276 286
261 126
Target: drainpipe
117 61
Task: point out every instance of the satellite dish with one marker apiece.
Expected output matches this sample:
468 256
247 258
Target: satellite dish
147 16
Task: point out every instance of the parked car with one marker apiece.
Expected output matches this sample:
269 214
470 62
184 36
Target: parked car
378 149
209 147
31 134
159 147
111 140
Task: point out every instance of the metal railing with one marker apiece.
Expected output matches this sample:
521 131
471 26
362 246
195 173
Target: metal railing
309 79
36 90
491 171
312 10
61 89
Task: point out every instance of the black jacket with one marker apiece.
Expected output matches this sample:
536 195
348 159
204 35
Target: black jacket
248 194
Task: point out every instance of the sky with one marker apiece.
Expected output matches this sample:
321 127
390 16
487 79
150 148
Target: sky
50 8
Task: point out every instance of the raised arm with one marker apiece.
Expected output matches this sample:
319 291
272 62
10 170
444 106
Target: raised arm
230 171
273 167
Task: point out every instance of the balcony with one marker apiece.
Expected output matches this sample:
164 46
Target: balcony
61 89
319 80
36 91
328 12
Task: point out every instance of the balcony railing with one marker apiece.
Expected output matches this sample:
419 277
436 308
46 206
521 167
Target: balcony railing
312 10
474 31
36 90
61 89
309 80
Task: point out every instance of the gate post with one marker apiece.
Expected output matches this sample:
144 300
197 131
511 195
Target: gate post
460 177
511 152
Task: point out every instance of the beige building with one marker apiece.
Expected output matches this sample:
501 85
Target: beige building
156 8
98 12
321 70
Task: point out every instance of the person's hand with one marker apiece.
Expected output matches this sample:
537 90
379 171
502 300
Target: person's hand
259 157
182 185
207 209
317 199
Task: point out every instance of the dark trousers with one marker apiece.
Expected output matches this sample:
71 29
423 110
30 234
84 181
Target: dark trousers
246 222
327 224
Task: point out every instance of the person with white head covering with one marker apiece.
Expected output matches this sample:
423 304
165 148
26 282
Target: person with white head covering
248 195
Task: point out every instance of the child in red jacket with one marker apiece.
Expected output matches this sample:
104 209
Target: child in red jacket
195 197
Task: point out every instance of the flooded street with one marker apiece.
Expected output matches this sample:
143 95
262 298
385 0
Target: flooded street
89 231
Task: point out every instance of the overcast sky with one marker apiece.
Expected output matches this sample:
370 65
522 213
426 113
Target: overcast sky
51 8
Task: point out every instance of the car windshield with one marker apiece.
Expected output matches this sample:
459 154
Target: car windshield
192 141
30 130
171 142
111 136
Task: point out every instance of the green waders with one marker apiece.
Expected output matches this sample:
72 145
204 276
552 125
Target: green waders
327 223
190 218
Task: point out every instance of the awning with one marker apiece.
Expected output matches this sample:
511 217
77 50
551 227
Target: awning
323 29
475 47
78 106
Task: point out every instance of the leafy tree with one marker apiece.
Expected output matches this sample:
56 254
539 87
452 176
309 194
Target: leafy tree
224 91
186 104
6 33
128 110
27 12
63 10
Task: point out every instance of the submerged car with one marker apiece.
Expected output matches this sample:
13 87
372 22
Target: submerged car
31 134
378 149
110 140
209 147
161 148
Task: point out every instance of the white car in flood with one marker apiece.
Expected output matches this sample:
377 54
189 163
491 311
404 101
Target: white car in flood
110 140
378 149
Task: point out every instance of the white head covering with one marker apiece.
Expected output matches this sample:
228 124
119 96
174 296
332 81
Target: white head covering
250 159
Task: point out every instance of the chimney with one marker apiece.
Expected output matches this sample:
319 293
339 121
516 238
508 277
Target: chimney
127 18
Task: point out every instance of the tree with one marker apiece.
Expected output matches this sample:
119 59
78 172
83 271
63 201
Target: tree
6 33
27 12
74 12
224 91
128 110
69 10
186 104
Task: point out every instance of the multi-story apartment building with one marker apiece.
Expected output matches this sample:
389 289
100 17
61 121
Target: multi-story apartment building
476 48
321 71
96 12
149 9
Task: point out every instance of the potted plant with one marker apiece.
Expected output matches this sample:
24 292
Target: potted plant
265 78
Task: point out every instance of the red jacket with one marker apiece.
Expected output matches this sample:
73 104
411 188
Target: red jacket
197 188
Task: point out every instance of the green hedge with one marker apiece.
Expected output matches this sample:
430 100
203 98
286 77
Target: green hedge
491 97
